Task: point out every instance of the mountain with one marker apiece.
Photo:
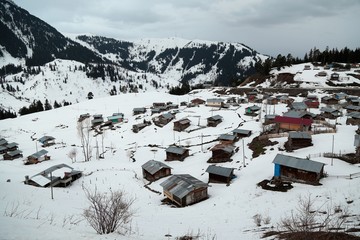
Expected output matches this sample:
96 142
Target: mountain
39 63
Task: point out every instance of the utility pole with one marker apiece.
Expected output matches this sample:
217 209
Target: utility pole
332 150
51 187
243 152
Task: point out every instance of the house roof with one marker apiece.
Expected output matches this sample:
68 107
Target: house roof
182 184
300 121
176 150
299 135
11 145
3 141
183 121
254 108
227 137
215 100
298 106
328 110
38 154
224 147
167 116
141 109
45 139
242 131
353 107
153 166
221 171
298 163
355 115
215 118
52 169
357 141
14 153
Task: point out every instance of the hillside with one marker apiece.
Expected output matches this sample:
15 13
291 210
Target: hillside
226 214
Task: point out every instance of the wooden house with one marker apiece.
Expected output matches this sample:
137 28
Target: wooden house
310 103
227 138
322 74
153 170
12 155
329 100
46 141
353 118
307 67
252 110
97 120
240 133
84 116
215 102
297 140
159 104
330 113
116 118
353 100
222 153
3 142
137 127
60 175
334 77
214 121
174 153
198 101
163 119
137 111
352 108
300 114
298 169
11 146
219 174
292 124
37 157
184 189
181 124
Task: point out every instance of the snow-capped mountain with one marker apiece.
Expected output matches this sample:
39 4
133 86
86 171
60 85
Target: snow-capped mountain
36 61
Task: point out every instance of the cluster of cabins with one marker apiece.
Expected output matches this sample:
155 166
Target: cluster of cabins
9 151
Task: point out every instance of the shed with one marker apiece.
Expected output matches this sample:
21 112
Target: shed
60 175
12 155
140 110
298 140
116 118
240 133
82 117
219 174
174 153
214 121
184 189
340 95
97 120
252 110
181 124
227 138
153 170
222 153
292 124
298 169
37 157
137 127
47 141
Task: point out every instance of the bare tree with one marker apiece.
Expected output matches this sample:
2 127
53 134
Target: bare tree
72 155
109 212
83 129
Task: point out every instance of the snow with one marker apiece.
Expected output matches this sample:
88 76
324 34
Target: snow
226 214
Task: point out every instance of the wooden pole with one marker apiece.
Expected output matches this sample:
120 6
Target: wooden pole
332 150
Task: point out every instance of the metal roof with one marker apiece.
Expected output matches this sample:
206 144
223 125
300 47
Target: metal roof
182 184
227 137
299 135
215 118
298 163
329 110
45 139
14 153
357 141
167 115
38 154
176 150
254 108
3 141
141 109
52 169
11 145
215 100
224 147
153 166
183 121
299 105
222 171
242 131
290 120
353 107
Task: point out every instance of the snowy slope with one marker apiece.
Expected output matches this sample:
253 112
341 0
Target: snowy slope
226 214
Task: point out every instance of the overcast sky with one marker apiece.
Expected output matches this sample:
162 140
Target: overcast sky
268 26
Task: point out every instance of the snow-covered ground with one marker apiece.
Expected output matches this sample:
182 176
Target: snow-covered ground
226 214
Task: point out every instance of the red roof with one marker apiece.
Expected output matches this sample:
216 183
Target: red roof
299 121
312 104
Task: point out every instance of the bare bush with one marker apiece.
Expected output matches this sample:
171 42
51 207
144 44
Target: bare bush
109 212
83 129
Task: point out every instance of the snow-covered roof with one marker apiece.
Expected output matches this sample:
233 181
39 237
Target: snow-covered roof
182 184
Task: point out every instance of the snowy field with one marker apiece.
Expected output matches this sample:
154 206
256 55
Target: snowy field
226 214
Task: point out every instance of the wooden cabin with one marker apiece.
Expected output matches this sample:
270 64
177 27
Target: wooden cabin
184 189
137 111
198 101
297 140
37 157
84 116
116 118
60 175
292 124
352 108
298 169
153 170
97 120
241 133
214 120
11 146
46 141
330 113
227 138
252 110
12 155
163 119
222 153
353 118
137 127
181 124
219 174
174 153
215 102
329 100
334 77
